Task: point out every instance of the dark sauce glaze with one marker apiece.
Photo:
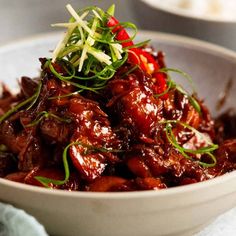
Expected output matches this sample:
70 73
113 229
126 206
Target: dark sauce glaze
123 122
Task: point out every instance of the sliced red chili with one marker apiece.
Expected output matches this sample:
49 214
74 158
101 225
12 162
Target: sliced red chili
139 57
136 58
121 33
161 84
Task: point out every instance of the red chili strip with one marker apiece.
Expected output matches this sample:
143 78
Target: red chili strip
136 54
121 33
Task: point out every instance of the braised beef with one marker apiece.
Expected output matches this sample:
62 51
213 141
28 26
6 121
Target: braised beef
8 163
114 140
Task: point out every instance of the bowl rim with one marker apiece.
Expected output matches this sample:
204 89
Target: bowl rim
184 13
123 195
171 38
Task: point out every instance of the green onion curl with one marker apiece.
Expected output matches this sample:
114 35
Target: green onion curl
202 151
32 100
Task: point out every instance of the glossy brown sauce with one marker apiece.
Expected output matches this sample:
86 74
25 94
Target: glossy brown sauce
124 143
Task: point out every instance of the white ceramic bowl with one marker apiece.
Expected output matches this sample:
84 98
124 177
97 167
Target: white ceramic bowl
155 15
176 211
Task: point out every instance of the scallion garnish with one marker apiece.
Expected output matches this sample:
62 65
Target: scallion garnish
47 181
32 100
36 95
66 95
98 78
138 45
182 73
129 71
170 84
184 151
45 114
191 98
89 49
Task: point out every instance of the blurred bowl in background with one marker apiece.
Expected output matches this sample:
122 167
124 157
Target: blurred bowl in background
159 16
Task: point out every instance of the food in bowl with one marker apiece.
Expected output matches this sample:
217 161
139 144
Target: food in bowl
105 115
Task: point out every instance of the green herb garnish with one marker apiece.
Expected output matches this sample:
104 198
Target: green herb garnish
66 95
46 181
89 53
184 151
36 95
32 100
45 114
90 149
182 73
172 84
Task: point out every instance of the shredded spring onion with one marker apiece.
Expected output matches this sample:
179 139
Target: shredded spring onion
32 100
90 148
47 181
172 84
202 151
45 114
89 49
